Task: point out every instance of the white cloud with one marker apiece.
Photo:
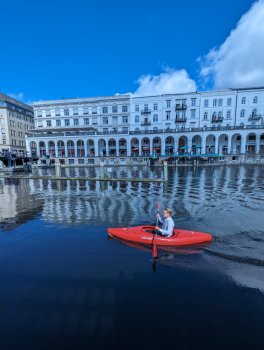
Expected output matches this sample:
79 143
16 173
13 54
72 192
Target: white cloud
239 61
170 81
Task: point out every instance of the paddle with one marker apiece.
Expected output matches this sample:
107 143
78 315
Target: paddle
154 248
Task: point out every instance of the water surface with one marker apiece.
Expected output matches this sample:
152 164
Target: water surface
64 284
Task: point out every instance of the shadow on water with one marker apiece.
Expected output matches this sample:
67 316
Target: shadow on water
65 285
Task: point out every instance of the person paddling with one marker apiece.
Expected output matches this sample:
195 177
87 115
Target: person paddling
167 223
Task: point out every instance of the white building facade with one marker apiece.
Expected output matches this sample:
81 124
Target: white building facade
228 122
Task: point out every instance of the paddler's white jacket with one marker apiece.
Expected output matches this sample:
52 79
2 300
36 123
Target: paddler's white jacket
167 226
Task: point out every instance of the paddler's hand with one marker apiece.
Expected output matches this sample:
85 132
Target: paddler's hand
157 228
158 215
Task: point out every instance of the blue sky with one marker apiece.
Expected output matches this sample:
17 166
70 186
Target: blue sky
55 49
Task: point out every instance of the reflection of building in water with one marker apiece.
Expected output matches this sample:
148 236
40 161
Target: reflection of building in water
103 203
196 193
16 203
8 197
98 203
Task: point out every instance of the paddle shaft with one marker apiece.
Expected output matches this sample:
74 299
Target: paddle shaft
154 249
157 221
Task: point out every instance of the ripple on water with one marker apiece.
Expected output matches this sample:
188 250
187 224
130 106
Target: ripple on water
225 201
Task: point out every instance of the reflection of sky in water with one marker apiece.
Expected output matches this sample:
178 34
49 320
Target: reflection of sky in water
60 273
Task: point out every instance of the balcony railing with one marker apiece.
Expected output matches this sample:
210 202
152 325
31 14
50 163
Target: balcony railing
217 119
112 133
146 123
146 111
180 107
156 131
254 117
180 120
204 129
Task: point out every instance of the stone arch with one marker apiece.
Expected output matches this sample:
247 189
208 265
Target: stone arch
183 145
169 145
90 148
223 144
102 147
236 143
42 149
51 148
197 144
210 144
145 146
156 146
112 147
122 147
61 148
135 147
33 148
251 143
80 148
70 149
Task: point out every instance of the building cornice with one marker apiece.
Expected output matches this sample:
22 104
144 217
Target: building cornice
77 101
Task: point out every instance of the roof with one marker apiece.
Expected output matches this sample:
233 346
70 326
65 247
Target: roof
13 101
78 100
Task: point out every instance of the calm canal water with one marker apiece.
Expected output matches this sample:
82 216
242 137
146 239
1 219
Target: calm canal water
65 285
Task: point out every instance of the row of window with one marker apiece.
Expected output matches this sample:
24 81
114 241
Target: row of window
19 125
243 112
19 133
218 102
105 120
15 143
243 100
114 109
155 119
19 116
147 107
76 111
86 121
106 110
218 115
228 114
178 114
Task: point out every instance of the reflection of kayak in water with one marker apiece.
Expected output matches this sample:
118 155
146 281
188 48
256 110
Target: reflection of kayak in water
182 250
144 235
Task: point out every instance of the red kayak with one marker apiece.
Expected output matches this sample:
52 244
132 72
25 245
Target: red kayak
144 235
